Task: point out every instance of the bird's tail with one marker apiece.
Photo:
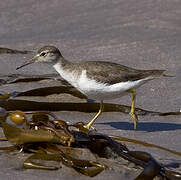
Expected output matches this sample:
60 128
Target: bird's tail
158 73
166 75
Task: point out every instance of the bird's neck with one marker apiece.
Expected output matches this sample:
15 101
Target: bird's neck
61 64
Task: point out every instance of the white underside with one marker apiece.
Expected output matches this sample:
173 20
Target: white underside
96 90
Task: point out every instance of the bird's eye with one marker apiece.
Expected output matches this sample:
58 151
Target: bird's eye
43 54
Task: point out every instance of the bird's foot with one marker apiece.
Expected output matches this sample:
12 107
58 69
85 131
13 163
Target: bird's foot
84 128
135 119
89 127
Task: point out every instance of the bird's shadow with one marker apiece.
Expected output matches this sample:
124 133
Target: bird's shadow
144 126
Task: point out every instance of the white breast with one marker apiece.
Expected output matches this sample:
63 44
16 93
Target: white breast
71 77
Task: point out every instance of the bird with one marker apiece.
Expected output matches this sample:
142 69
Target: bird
98 80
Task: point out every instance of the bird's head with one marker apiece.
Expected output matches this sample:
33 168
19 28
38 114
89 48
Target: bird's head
47 54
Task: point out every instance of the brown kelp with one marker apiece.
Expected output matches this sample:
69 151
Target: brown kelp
4 50
49 139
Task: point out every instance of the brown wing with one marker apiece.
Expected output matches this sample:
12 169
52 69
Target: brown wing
111 73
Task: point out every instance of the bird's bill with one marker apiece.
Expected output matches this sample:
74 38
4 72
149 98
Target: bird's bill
27 63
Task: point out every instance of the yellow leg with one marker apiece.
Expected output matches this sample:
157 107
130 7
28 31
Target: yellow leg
133 115
89 125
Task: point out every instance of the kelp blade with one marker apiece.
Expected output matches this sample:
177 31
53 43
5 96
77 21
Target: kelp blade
19 136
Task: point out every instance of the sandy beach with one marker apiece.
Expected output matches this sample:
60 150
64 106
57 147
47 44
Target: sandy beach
140 34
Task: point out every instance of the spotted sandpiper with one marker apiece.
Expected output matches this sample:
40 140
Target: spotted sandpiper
98 80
